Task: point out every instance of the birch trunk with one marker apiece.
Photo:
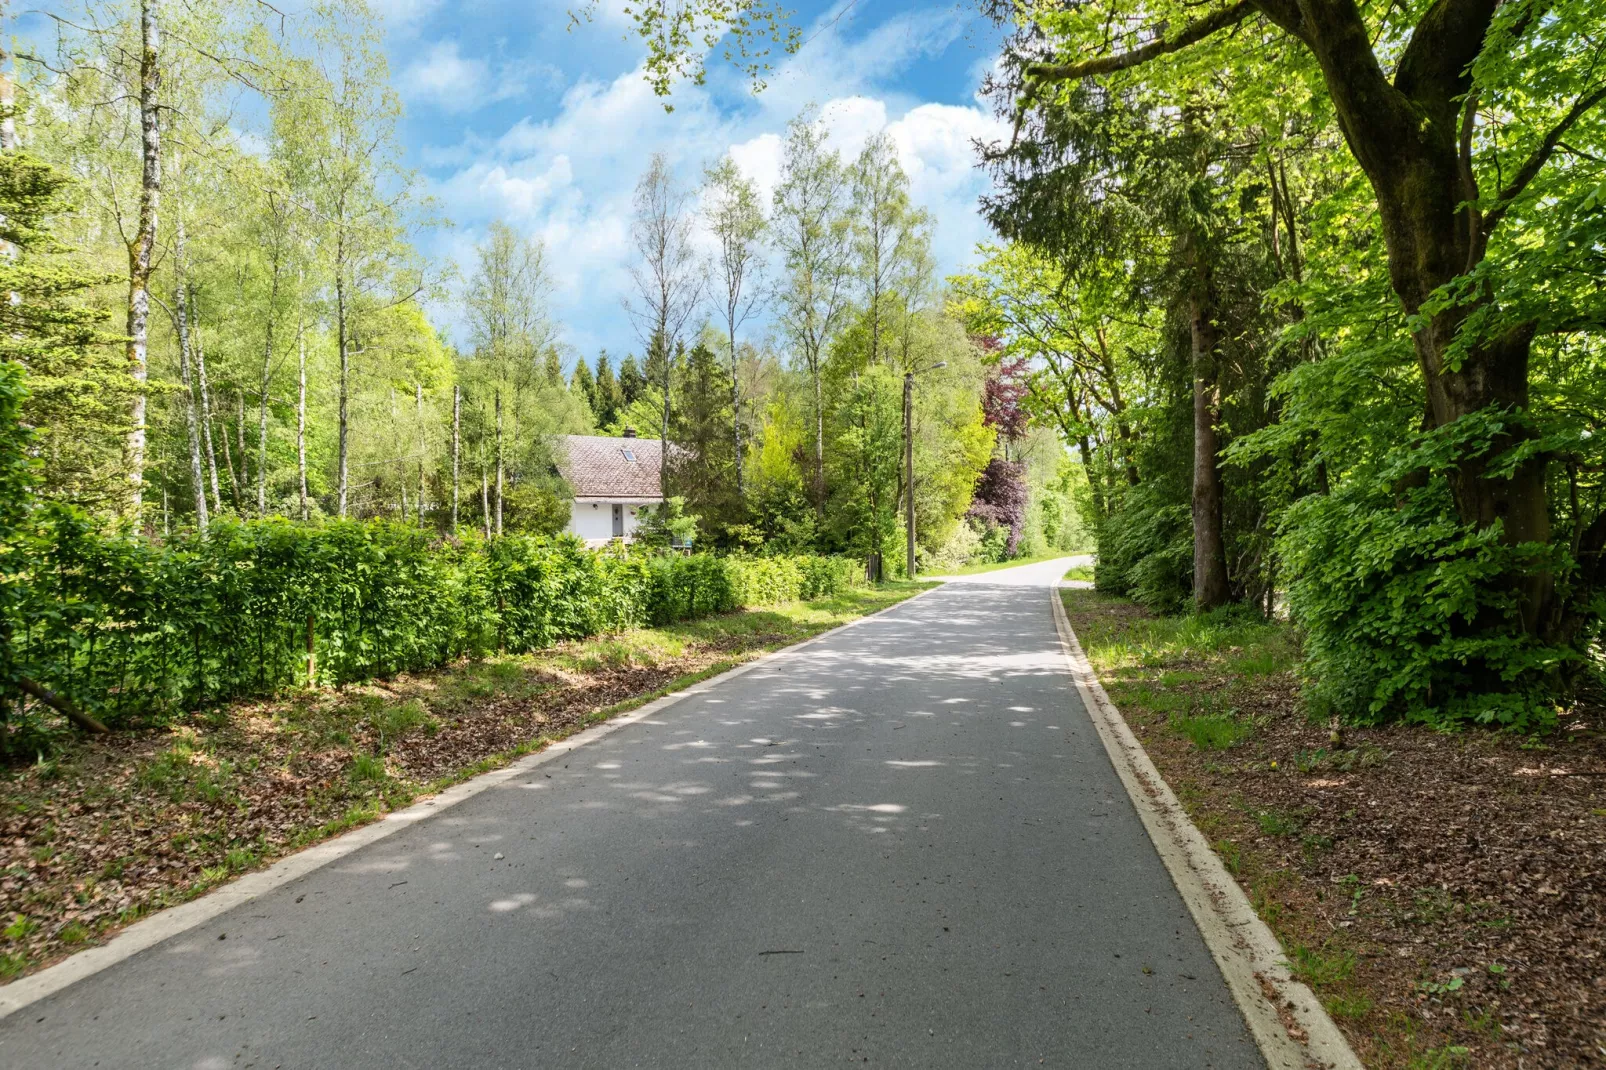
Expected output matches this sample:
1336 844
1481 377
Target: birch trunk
267 375
198 341
141 248
344 345
301 406
457 421
181 308
500 485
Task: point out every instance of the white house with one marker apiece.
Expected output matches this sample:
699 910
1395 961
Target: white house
613 479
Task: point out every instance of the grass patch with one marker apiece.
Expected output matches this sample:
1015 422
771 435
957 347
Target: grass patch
1321 968
1212 731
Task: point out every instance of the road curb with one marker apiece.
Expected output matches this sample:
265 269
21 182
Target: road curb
174 921
1288 1022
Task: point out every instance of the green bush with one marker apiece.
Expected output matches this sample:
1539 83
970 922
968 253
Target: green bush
1408 612
127 627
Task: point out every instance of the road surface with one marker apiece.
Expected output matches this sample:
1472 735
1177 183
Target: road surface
900 846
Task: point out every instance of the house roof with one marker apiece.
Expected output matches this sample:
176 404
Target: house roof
616 468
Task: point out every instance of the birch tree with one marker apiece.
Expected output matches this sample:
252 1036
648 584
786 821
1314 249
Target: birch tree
736 220
813 231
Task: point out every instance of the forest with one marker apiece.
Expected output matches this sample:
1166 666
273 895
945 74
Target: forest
1314 292
228 350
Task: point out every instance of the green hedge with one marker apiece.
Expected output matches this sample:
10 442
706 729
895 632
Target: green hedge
126 627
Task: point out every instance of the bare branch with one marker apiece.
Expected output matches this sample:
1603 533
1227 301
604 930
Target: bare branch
1160 46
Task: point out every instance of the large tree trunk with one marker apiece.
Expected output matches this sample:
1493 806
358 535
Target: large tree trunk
141 248
1209 547
1413 137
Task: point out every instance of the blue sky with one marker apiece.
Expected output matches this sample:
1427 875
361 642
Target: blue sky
512 115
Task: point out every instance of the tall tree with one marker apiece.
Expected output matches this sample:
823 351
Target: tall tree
737 222
511 328
142 243
887 230
669 279
813 232
1440 105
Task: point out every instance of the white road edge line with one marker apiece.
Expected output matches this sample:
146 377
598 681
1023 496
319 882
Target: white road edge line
173 921
1286 1019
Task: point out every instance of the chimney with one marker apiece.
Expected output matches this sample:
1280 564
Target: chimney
630 432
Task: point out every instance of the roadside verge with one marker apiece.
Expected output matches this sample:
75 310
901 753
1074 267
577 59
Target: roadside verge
1288 1023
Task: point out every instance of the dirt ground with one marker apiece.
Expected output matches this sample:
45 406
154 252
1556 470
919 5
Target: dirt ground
1444 894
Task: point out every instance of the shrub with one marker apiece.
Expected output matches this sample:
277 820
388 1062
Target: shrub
1405 613
130 628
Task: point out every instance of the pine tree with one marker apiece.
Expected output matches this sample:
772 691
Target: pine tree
631 381
702 470
606 398
78 388
581 385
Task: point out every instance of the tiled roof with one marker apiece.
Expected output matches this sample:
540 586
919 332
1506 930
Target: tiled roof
597 467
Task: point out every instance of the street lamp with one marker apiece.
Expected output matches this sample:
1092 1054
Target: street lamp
909 464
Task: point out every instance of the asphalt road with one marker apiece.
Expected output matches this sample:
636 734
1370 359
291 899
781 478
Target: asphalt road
900 846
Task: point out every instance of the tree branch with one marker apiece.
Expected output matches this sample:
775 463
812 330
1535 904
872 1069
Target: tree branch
62 706
1435 69
1160 46
1541 155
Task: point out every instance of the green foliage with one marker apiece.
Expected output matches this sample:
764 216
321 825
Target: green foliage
78 386
131 628
1405 613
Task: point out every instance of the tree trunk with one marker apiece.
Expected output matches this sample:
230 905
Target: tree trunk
199 342
457 424
343 343
500 485
1209 548
228 464
181 309
819 440
141 248
485 498
1413 137
267 382
301 407
423 447
736 414
239 430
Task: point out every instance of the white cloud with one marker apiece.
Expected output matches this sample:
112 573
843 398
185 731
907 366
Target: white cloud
446 81
404 14
569 177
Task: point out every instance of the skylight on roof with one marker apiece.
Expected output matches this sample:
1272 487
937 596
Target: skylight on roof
630 455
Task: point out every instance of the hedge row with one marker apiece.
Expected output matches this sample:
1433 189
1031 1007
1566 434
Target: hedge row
124 627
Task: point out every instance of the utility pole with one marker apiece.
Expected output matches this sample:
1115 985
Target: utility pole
909 474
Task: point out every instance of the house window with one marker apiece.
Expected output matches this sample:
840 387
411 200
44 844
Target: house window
630 455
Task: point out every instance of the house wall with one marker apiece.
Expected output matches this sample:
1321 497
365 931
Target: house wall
593 521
